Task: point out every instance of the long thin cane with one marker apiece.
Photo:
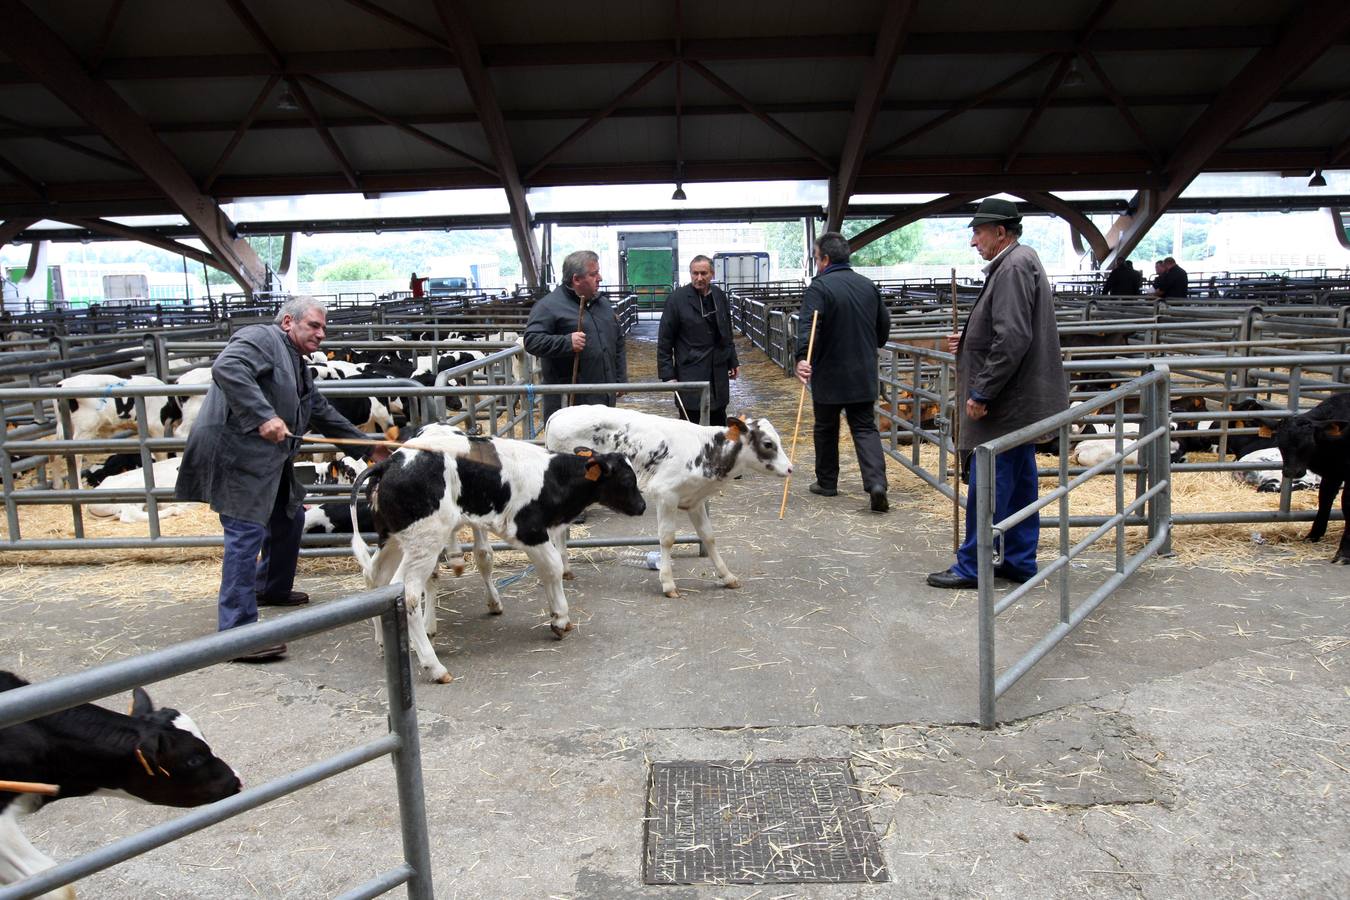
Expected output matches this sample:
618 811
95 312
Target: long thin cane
956 440
30 787
576 354
801 400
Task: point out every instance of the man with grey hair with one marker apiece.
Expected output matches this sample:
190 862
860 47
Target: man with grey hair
851 325
239 458
573 328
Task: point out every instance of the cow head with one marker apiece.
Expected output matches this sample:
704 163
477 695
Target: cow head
617 481
172 765
1298 438
760 445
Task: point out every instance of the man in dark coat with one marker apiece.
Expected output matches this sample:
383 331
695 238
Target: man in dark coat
239 457
1124 281
1009 373
551 333
1172 281
852 324
695 342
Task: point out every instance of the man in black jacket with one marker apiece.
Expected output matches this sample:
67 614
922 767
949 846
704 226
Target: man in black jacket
1172 280
695 342
1124 281
551 333
853 323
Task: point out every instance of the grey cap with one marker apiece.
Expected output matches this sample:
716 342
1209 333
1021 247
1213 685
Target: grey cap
993 211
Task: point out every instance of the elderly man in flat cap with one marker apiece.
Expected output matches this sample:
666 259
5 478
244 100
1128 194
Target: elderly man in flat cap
1009 374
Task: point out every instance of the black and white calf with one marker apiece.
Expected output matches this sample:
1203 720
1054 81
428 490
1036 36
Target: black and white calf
524 494
154 755
679 465
1320 440
107 416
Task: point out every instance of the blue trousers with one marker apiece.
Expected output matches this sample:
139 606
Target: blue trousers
244 576
1015 486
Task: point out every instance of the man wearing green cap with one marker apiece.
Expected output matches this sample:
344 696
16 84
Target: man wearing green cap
1009 374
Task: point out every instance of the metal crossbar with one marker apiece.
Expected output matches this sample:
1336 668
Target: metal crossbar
401 743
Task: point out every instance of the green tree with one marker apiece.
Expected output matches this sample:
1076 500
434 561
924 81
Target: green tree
355 268
788 241
897 247
305 269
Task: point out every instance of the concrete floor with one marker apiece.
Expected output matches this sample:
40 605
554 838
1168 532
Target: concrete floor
1191 739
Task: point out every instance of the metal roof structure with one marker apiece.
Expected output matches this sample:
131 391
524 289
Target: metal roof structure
114 108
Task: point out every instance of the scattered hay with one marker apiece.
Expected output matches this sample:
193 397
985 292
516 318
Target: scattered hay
1232 548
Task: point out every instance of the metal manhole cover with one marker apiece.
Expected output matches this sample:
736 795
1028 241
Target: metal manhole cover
796 821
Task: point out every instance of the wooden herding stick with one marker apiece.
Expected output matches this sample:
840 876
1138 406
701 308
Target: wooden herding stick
576 354
801 400
956 440
30 787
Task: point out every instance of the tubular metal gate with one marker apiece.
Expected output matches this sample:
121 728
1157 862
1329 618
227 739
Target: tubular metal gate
401 743
1152 447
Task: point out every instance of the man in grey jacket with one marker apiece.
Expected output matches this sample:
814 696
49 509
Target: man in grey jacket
553 335
853 322
1009 374
239 458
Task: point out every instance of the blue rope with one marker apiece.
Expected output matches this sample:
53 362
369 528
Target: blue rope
512 579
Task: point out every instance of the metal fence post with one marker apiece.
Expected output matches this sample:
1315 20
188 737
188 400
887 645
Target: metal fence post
407 758
984 547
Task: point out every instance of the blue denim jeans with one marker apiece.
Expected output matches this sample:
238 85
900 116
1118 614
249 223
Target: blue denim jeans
244 577
1015 486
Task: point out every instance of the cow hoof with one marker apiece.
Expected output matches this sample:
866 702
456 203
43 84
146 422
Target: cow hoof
569 575
443 678
732 583
559 633
672 593
1343 560
457 569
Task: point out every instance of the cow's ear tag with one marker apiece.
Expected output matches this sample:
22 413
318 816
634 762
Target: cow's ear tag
391 433
584 452
1266 431
593 470
735 427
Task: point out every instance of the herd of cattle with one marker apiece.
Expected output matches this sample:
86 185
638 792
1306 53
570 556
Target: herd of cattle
444 479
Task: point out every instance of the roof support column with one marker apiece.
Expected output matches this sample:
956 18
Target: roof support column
460 34
35 48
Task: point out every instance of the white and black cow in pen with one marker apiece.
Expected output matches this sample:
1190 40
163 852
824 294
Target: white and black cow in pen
108 416
679 465
154 755
444 479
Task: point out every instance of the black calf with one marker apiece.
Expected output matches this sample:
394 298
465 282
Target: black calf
1320 440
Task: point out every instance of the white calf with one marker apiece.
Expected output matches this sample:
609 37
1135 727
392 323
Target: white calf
679 465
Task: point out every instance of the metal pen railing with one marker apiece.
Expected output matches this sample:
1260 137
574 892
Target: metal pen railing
401 744
1151 446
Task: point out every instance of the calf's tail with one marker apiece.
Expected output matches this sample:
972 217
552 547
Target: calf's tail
364 558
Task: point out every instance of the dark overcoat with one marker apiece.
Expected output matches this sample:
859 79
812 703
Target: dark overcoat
853 323
548 335
695 343
1009 351
227 463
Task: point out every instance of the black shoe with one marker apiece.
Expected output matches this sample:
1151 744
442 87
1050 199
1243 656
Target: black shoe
879 501
294 598
949 579
815 488
263 654
1010 575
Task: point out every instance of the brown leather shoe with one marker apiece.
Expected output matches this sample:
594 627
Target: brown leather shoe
263 654
294 598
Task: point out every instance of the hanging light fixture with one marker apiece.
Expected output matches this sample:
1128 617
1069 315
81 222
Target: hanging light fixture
679 183
1318 179
287 102
1074 78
